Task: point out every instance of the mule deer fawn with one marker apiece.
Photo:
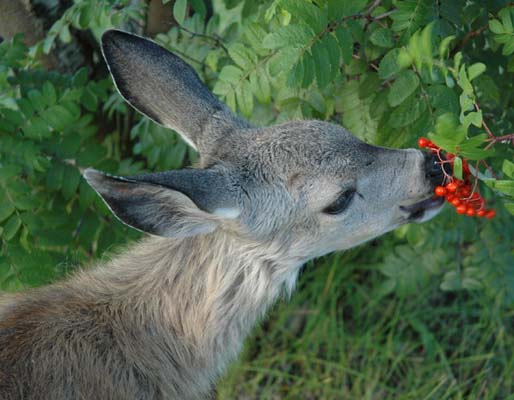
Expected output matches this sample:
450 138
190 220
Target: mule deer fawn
163 319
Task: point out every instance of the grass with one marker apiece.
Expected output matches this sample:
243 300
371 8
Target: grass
338 338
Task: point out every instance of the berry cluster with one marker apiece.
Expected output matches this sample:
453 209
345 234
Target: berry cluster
458 192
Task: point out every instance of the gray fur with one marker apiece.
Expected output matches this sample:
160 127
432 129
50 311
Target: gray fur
163 318
165 88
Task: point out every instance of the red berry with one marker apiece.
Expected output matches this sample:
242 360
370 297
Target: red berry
455 202
490 214
451 187
423 142
465 192
475 196
470 212
440 191
461 209
481 213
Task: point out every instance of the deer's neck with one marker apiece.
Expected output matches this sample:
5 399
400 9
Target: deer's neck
205 292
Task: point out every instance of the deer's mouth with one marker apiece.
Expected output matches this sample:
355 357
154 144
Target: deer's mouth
423 210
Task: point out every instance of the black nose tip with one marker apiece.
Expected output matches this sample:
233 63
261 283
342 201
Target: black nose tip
433 169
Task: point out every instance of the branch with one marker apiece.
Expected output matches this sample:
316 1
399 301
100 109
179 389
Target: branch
467 38
372 8
217 40
500 139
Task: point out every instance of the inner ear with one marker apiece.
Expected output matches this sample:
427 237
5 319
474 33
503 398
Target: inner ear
163 204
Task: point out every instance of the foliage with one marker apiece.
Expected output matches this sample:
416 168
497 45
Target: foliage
389 71
342 339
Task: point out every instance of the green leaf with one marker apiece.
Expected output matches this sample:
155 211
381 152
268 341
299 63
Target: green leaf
36 128
443 100
6 209
296 74
471 148
199 7
496 27
307 12
471 284
261 87
309 69
8 172
382 37
501 185
389 65
447 126
37 99
345 39
58 117
86 14
404 85
475 70
49 93
509 207
290 35
356 112
508 168
412 14
65 34
505 16
457 167
12 116
451 281
89 100
283 61
474 118
241 56
334 53
70 181
80 78
321 64
464 82
179 11
408 112
54 176
26 202
444 46
11 227
339 8
230 74
420 47
48 43
244 98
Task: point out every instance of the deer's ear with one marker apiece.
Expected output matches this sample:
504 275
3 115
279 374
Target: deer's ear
171 204
163 87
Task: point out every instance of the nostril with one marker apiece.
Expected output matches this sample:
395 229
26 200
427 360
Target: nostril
433 169
432 166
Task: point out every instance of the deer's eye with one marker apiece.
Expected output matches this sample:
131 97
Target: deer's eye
342 202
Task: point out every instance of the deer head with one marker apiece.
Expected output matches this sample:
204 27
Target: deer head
309 187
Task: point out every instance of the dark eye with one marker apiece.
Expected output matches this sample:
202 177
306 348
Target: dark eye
342 202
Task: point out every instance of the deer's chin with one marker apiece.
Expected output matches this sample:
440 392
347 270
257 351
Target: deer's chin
423 210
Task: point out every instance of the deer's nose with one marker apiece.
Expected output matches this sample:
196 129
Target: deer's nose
433 170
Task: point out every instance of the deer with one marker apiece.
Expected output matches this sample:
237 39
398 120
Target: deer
164 317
